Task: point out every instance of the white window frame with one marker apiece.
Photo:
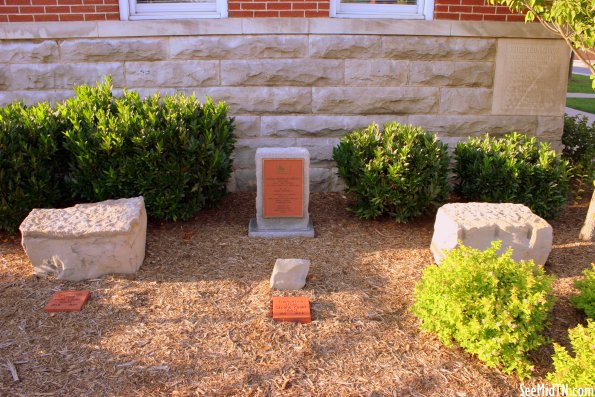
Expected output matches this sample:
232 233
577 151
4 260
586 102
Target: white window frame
130 10
424 9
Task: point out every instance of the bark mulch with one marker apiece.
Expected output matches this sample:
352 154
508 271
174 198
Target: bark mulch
194 320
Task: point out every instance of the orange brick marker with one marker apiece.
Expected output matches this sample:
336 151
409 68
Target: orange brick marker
291 308
67 301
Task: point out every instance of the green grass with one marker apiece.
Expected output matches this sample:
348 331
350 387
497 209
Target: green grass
580 83
584 104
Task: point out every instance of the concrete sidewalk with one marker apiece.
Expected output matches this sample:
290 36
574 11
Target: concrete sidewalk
578 67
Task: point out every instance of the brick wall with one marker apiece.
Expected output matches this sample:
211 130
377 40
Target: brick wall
473 10
58 10
278 8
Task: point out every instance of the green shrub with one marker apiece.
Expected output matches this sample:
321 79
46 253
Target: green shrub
586 299
31 166
401 171
515 168
492 306
577 371
579 150
173 151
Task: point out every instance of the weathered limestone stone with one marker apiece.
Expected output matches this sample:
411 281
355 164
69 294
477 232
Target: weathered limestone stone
27 52
247 126
377 100
282 193
320 179
465 100
172 74
530 77
87 240
376 72
320 149
438 48
549 127
34 97
358 47
56 76
320 126
465 125
113 49
478 224
289 274
458 74
283 72
239 47
245 149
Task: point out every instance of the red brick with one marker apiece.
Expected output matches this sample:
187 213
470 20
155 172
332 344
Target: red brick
254 6
484 10
94 17
43 2
471 17
67 301
455 2
324 6
17 2
494 17
447 15
316 14
305 6
20 18
72 17
57 9
31 10
241 14
113 16
441 8
515 18
473 2
84 9
70 2
503 10
278 6
47 18
454 8
3 18
94 2
9 10
291 14
233 6
266 14
107 8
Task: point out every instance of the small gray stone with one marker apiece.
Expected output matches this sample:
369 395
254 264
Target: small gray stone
289 274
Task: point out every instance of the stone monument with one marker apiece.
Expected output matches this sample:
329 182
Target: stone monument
282 193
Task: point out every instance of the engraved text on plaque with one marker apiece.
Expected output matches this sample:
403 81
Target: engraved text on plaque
283 188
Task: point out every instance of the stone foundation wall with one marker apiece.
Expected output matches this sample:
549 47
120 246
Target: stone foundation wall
306 82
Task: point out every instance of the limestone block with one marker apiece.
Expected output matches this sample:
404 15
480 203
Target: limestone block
376 72
239 47
459 74
247 126
320 126
465 100
466 125
87 240
333 46
377 100
321 149
29 52
245 149
478 224
438 48
33 97
337 183
550 128
245 180
282 72
56 76
113 49
320 179
289 274
172 74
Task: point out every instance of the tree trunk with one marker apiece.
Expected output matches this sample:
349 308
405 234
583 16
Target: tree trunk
588 229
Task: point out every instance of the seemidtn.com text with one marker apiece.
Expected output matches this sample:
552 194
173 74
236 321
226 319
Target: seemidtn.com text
544 390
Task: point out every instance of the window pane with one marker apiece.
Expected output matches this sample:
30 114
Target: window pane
393 2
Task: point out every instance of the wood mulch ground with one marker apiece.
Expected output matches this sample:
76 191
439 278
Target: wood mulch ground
194 320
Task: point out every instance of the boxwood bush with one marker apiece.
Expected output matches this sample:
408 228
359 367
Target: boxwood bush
578 370
31 166
174 151
585 300
401 171
579 149
515 168
493 306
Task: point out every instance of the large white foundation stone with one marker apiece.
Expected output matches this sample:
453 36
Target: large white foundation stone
289 274
87 240
478 224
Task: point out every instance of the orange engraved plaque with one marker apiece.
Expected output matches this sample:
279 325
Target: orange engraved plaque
67 301
283 188
291 308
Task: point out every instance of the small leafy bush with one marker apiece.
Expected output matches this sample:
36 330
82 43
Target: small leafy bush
586 299
31 166
516 169
401 171
579 150
492 306
577 371
173 150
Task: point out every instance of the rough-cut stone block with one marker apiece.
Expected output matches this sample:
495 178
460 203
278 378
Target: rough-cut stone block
28 52
247 126
550 128
337 184
56 76
289 274
87 240
478 224
465 125
282 72
112 49
377 100
320 149
458 74
239 47
465 100
320 179
34 97
530 77
172 74
245 149
358 47
377 72
438 48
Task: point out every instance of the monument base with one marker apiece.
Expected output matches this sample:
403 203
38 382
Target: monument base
254 231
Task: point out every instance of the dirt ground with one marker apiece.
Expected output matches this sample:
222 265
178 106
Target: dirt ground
194 320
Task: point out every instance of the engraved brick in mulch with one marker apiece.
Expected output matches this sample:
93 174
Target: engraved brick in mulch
67 301
291 308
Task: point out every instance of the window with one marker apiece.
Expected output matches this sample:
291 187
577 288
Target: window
172 9
404 9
